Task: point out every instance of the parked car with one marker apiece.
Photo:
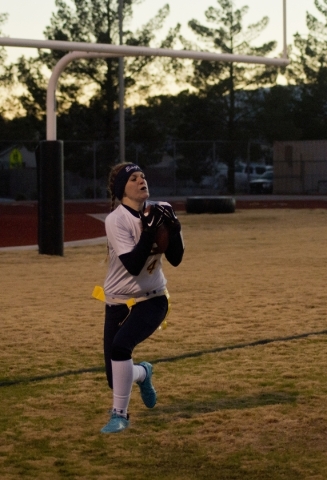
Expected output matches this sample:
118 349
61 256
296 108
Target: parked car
263 184
244 173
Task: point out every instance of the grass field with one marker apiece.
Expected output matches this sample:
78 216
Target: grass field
240 371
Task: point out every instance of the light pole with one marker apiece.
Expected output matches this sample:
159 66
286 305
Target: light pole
121 89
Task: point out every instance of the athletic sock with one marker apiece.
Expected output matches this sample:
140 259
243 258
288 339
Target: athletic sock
122 376
139 373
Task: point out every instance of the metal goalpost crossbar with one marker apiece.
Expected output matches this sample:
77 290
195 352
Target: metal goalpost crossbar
79 50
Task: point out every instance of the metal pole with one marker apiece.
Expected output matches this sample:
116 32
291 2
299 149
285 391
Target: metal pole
94 170
52 86
121 89
51 169
284 30
175 168
133 51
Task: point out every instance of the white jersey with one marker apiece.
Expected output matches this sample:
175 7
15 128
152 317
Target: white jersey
123 231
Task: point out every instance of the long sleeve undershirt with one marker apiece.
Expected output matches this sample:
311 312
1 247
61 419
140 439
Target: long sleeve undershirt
135 260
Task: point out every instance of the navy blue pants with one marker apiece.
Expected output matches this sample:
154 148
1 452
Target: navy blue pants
120 340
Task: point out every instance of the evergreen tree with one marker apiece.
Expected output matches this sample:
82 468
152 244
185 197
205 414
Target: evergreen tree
94 21
3 18
309 56
13 128
230 85
278 116
6 72
308 71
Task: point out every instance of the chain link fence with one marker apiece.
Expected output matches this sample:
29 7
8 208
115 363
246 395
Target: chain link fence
185 168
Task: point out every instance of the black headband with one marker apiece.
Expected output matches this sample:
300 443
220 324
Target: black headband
122 178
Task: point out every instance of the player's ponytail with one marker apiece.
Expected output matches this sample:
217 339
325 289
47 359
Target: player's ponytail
111 182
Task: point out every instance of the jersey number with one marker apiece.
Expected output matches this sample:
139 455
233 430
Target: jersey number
151 266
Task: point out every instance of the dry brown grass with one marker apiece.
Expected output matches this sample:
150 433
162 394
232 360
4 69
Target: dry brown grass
251 413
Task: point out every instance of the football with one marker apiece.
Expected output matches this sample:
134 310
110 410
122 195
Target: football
162 238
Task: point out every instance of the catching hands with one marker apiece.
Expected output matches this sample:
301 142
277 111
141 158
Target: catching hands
152 220
170 219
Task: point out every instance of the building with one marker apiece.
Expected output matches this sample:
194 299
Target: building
300 167
18 177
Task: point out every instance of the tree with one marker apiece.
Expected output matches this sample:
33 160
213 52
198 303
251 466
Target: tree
308 71
6 71
11 128
3 18
278 116
309 56
92 21
230 85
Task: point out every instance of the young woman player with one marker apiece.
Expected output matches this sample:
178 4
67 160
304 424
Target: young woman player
135 286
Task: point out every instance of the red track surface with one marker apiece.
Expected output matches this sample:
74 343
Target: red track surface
19 220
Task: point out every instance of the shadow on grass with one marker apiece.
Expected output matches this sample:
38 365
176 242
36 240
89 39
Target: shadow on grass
186 409
265 341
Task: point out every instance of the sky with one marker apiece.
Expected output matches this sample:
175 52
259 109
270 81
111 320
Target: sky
28 18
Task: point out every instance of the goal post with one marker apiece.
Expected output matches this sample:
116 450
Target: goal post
50 152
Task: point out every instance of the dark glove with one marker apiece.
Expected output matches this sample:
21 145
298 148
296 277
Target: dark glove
152 219
170 219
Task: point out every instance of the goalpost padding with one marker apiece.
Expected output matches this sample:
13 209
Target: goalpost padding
50 159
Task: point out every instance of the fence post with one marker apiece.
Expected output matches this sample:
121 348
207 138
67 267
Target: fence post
175 168
94 170
50 179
